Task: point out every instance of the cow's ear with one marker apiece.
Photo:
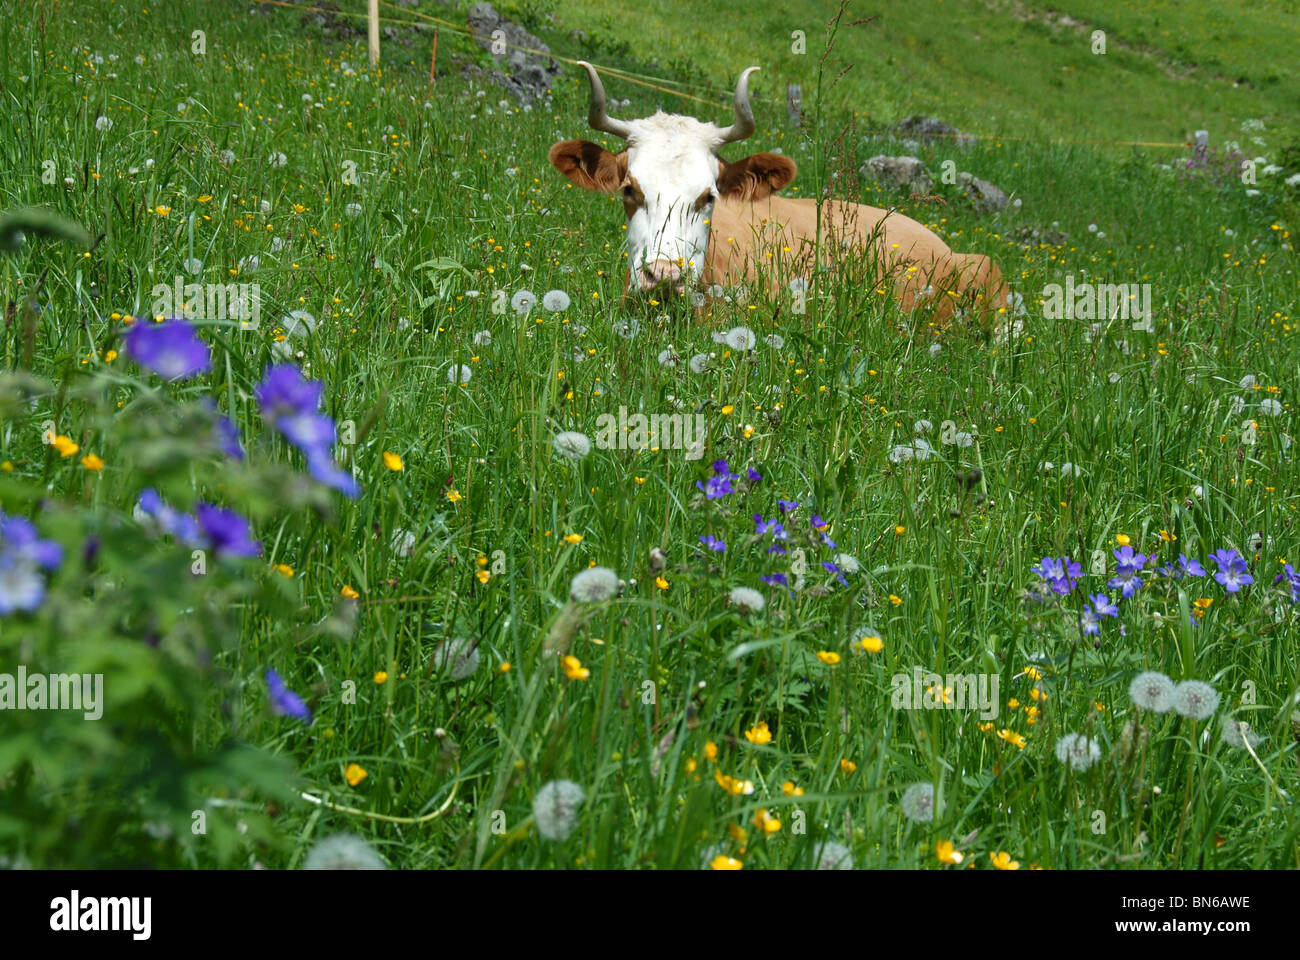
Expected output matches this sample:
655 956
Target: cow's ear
589 165
755 177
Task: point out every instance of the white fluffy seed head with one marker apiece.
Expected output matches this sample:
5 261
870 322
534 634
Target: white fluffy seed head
556 807
572 444
918 802
747 600
594 585
343 851
1152 691
1196 699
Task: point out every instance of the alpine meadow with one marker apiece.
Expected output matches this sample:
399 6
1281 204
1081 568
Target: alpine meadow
370 498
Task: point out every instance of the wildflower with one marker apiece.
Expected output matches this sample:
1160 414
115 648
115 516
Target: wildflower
555 808
459 373
830 855
523 301
172 349
766 822
1196 699
947 853
355 773
458 658
1017 740
65 446
718 485
1233 573
103 123
343 851
181 526
918 449
828 657
1270 407
348 593
381 676
393 461
713 543
1126 578
483 338
733 786
571 444
573 668
284 702
226 531
918 802
1059 573
1292 579
872 643
848 563
290 404
594 585
1152 691
724 862
1078 751
22 556
760 734
790 790
1237 733
740 339
746 600
1002 860
1190 568
555 301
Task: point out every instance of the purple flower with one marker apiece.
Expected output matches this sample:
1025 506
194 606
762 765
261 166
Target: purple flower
775 579
1060 573
228 533
172 349
1126 578
717 486
1089 621
20 541
180 525
1292 579
818 523
720 466
1190 568
831 568
284 702
714 544
1102 604
786 506
773 526
1233 573
284 392
754 475
323 470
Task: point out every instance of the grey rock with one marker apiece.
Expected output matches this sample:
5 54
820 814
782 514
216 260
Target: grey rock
927 129
899 172
527 67
987 197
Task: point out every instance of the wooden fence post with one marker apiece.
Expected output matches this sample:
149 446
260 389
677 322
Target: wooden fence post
372 16
1200 153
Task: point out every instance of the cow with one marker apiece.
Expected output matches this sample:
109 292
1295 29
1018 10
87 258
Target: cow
696 220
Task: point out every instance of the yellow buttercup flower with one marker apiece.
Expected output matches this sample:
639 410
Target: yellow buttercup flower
873 644
573 668
1002 860
711 751
355 773
92 462
790 790
454 495
732 785
724 862
505 666
661 583
895 599
381 677
828 657
483 576
283 569
393 462
759 734
573 538
348 592
766 822
947 853
65 446
848 766
1123 539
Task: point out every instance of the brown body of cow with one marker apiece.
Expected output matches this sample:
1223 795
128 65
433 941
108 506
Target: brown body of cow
682 199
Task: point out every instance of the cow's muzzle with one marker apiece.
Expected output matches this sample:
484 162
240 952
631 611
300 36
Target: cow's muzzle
662 274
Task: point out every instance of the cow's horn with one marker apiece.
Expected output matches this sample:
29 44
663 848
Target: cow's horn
596 115
744 125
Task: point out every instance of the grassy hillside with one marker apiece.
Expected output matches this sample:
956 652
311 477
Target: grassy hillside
391 229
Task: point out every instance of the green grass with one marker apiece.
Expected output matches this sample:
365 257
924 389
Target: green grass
454 199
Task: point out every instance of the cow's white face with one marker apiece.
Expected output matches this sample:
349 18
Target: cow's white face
670 178
672 185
